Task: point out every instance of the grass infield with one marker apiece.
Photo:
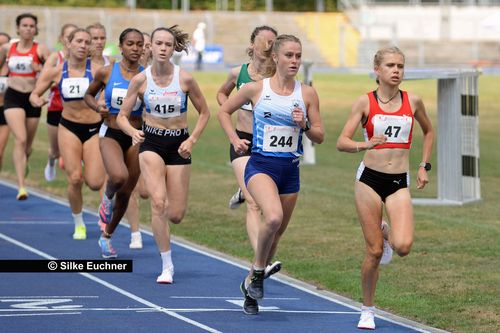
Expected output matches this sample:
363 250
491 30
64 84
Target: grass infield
451 280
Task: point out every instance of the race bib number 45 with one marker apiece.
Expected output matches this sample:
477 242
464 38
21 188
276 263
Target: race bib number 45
165 106
20 64
283 139
74 87
396 128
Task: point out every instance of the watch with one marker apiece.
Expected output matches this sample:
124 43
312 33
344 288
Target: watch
426 165
308 126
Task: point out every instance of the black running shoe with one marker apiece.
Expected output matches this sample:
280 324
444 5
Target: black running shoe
256 287
272 268
250 306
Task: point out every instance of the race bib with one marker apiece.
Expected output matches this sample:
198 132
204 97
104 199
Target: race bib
168 106
3 84
117 97
396 128
280 139
248 105
74 87
20 64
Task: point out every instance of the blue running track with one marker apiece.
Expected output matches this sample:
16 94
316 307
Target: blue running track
205 296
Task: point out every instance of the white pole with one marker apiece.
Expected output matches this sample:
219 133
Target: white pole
309 157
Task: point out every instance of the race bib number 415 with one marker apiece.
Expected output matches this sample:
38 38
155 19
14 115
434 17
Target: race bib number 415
396 128
283 139
165 106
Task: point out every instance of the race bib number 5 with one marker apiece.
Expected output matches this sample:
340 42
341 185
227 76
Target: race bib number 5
165 106
74 87
396 128
117 97
283 139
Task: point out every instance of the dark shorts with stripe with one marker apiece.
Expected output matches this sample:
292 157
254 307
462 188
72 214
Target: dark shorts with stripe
82 131
165 142
384 184
15 99
242 135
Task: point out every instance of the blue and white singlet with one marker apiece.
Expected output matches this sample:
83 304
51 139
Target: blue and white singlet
274 131
116 90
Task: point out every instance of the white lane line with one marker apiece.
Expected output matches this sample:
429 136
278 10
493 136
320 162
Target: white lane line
30 297
39 314
113 287
36 222
237 297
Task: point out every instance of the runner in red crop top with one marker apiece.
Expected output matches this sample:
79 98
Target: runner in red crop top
382 180
24 59
396 126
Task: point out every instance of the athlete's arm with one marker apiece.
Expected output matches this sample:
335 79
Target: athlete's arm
358 113
316 133
228 86
200 104
42 84
428 140
246 94
99 82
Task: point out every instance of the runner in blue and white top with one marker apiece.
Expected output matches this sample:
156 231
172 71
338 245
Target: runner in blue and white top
165 143
119 155
79 126
283 111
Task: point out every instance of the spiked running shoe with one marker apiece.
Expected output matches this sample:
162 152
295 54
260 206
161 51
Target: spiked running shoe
256 287
22 194
80 233
387 253
105 209
237 199
107 250
250 306
135 242
272 268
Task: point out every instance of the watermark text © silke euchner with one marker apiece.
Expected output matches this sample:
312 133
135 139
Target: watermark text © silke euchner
66 266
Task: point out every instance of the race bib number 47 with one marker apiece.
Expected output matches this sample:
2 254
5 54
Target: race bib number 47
396 128
283 139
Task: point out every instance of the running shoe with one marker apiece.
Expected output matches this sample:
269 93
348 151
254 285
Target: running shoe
22 194
80 233
106 209
50 171
237 199
256 287
367 320
250 306
387 254
107 250
166 277
272 268
135 241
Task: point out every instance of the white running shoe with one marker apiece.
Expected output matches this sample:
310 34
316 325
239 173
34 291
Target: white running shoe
272 268
387 254
237 199
135 241
50 171
166 277
367 320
